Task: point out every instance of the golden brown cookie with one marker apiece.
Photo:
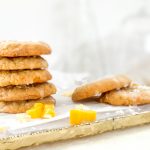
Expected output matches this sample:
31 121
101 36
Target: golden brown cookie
17 63
15 48
98 87
25 92
23 77
134 95
22 106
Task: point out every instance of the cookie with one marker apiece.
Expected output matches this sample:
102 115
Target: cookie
22 106
25 92
135 95
18 63
98 87
23 77
15 48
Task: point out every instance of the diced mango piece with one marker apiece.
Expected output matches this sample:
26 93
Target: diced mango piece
49 106
40 110
49 110
79 116
38 105
35 112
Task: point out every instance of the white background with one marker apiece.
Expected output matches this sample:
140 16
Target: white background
96 36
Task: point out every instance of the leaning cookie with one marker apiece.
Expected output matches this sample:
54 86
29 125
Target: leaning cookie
23 77
98 87
134 95
22 106
26 92
18 63
15 48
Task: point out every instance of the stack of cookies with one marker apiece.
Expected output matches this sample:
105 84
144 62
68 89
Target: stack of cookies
23 76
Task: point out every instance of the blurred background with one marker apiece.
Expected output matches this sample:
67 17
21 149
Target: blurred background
98 37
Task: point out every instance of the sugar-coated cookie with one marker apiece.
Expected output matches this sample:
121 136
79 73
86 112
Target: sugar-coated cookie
23 77
18 48
20 63
98 87
134 95
26 92
23 106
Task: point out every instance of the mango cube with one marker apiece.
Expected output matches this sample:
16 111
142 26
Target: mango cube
49 110
40 110
49 106
39 105
35 112
79 116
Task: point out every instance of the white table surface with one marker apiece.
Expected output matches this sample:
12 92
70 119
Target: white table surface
132 138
